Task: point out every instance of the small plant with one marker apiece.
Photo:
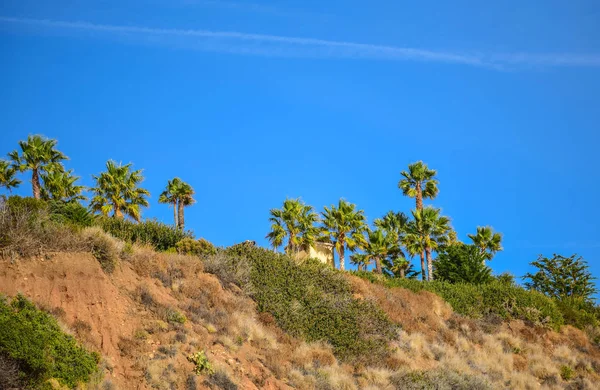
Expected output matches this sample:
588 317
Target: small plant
201 363
567 373
173 316
201 248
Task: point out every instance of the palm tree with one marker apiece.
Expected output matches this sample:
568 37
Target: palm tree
60 185
179 194
184 194
487 241
276 235
360 260
413 243
343 227
419 183
394 223
38 155
296 221
168 197
7 176
379 245
117 191
427 232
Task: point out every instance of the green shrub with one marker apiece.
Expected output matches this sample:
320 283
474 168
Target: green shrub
201 363
313 301
161 236
34 340
478 301
201 248
567 373
70 213
174 316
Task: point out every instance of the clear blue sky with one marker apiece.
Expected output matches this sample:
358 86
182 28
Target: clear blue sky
255 102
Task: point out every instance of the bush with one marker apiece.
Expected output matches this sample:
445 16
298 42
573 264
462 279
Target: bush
439 380
221 380
161 236
313 301
27 229
567 373
201 363
35 341
70 213
201 247
105 248
478 301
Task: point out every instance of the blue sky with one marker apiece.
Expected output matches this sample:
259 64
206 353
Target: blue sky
253 102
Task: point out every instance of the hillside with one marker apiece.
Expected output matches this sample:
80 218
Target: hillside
156 309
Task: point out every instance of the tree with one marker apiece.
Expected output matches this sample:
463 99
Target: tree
487 241
179 194
61 185
343 227
419 182
380 245
117 190
562 278
38 155
360 260
184 194
168 197
399 267
395 223
428 231
296 221
7 176
461 263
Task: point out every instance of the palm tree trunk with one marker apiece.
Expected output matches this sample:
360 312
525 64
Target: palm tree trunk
419 197
423 275
35 183
378 265
180 215
342 257
117 213
360 267
429 264
175 214
402 274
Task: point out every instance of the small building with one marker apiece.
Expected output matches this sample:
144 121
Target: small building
319 250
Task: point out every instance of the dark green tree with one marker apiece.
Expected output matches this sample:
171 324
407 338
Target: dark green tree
563 278
461 263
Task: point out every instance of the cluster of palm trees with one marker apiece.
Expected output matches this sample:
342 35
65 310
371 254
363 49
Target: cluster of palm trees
391 241
116 193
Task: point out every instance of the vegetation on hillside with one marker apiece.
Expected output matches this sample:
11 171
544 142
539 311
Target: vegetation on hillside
307 299
42 351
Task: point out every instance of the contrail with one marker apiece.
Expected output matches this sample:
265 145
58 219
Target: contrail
276 45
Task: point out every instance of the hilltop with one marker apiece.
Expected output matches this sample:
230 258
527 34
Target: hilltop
245 317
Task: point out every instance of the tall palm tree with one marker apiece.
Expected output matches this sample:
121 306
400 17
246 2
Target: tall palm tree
427 232
168 197
7 176
184 194
296 221
487 241
117 190
343 226
38 154
419 182
61 185
379 245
